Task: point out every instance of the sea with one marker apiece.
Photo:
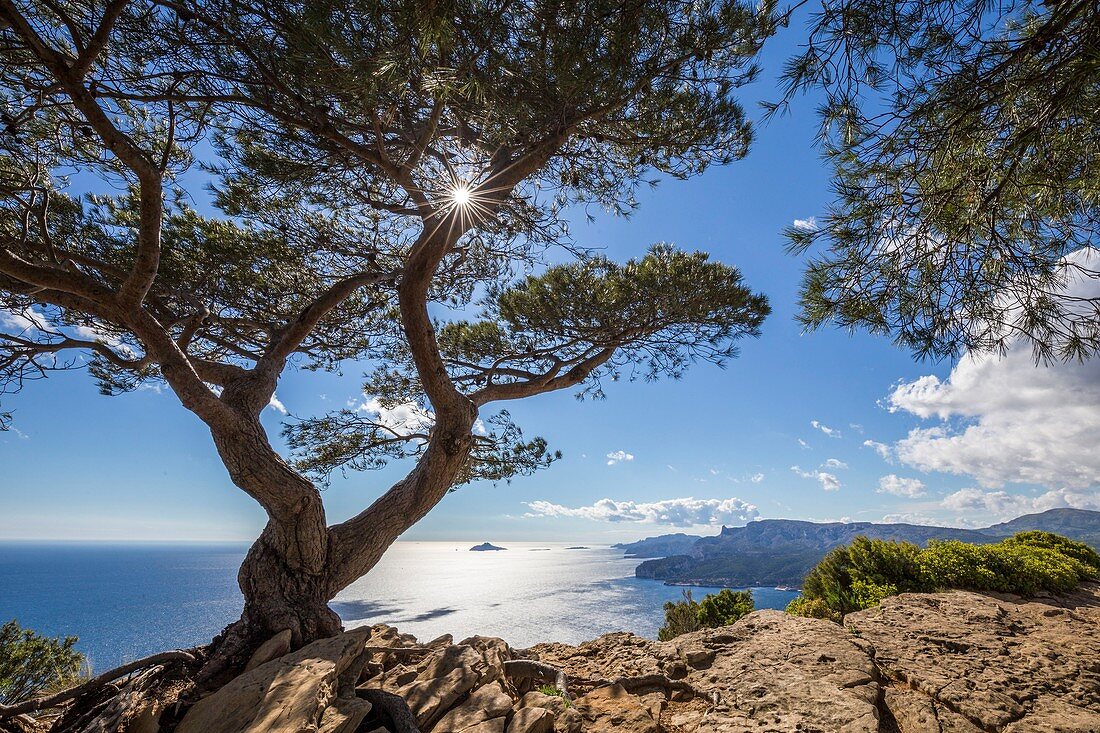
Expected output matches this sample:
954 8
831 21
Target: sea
125 601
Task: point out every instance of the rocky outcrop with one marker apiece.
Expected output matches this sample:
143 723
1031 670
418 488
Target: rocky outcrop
979 663
768 672
296 692
948 662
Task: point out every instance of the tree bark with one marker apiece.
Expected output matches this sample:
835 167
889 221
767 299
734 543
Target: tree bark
298 563
280 596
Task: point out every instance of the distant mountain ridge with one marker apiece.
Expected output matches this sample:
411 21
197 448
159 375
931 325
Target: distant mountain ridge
782 551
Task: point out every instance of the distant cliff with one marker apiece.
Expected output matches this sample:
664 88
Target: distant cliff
663 546
782 551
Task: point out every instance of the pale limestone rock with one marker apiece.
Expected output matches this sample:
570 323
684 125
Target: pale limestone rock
285 695
612 708
273 648
484 704
344 715
994 662
532 720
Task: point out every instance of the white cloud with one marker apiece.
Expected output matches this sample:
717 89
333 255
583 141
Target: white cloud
831 432
757 478
28 320
405 418
834 463
1004 505
920 518
828 481
882 449
1006 419
995 502
618 457
898 486
682 512
808 224
32 319
275 404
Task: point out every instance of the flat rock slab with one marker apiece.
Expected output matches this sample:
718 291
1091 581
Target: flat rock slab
286 695
993 663
768 672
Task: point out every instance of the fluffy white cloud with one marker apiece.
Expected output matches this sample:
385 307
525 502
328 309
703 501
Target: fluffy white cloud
831 432
882 449
908 518
828 481
275 404
405 418
28 320
1002 504
803 443
808 224
618 457
683 512
1006 419
898 486
834 463
757 478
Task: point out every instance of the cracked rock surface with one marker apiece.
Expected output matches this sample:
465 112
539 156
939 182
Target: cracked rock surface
955 662
963 661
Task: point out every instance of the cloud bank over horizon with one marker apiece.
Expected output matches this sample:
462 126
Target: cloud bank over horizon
679 512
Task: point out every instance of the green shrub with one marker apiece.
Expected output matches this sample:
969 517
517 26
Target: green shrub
724 608
860 575
31 664
1071 548
681 617
857 576
812 608
715 610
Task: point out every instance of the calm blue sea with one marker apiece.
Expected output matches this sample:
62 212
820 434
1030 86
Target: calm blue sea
126 601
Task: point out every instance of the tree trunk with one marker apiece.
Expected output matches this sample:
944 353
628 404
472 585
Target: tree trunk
284 576
299 563
279 596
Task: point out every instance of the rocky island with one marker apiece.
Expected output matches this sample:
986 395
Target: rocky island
486 547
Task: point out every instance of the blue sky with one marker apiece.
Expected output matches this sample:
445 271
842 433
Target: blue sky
795 412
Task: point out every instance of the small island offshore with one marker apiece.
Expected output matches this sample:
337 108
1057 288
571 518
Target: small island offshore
486 547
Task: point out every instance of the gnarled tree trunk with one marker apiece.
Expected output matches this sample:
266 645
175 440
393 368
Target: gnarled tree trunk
298 564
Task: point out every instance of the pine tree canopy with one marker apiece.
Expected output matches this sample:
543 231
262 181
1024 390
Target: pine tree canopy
964 139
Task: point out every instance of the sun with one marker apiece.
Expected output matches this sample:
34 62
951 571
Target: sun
460 195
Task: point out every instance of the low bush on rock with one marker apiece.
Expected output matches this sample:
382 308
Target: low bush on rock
715 610
812 608
860 575
31 664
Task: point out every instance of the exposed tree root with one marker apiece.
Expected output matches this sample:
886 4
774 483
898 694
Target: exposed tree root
648 681
50 701
393 706
528 669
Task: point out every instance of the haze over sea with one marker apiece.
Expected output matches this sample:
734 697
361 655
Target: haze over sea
127 601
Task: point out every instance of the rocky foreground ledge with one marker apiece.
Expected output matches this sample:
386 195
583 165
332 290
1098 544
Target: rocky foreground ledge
958 662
